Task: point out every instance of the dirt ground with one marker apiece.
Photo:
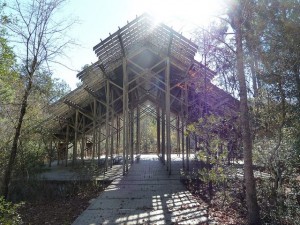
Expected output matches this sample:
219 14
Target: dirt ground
58 211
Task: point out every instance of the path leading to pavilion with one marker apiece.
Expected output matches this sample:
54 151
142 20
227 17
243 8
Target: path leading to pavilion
146 195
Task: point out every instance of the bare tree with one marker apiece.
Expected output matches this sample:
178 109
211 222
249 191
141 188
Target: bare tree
40 39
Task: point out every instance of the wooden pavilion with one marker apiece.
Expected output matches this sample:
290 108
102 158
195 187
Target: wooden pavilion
142 69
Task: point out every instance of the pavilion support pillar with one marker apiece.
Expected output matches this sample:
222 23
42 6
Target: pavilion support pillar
178 134
118 136
186 122
75 137
83 141
131 135
138 131
112 134
94 129
99 134
107 130
125 116
163 133
168 114
182 141
67 145
158 130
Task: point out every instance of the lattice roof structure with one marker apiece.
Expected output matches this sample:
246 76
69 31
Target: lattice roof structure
143 51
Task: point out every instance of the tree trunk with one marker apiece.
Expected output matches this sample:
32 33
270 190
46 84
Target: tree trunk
253 209
14 148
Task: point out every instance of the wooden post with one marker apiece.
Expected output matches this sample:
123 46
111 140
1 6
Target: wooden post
182 127
112 134
99 134
125 116
131 135
118 136
163 140
67 145
182 142
94 129
138 130
107 125
158 130
178 134
83 141
75 137
168 114
186 122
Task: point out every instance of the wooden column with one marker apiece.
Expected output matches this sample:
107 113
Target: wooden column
168 114
186 100
107 133
67 145
83 141
75 137
182 141
112 134
138 130
131 134
163 133
125 116
94 128
182 125
118 136
187 152
99 132
158 130
178 134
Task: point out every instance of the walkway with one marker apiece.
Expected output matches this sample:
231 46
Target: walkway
146 195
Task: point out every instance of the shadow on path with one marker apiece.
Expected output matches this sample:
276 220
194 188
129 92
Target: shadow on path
146 195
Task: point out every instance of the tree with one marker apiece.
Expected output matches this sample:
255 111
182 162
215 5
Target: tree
40 38
253 210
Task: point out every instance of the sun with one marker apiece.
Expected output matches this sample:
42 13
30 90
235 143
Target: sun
180 12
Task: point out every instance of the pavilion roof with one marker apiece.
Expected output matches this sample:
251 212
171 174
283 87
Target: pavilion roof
141 37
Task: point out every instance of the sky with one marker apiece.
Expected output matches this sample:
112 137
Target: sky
97 18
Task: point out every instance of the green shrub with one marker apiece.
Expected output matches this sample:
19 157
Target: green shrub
8 213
